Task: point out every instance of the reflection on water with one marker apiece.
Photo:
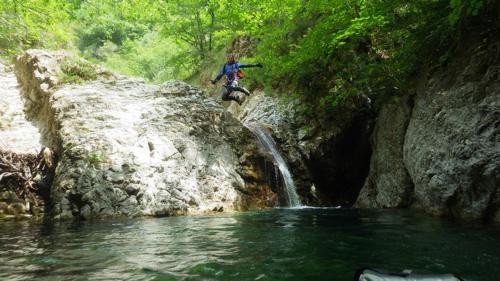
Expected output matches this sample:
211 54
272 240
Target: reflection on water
281 244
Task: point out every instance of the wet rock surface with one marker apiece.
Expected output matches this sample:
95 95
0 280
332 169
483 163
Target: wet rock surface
280 120
128 148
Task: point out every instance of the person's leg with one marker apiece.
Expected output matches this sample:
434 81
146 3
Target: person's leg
226 94
243 90
235 86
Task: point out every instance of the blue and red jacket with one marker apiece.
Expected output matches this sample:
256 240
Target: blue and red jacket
230 70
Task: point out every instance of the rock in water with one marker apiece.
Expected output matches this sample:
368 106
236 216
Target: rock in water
127 148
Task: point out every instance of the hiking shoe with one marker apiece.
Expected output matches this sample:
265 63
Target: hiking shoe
238 100
247 92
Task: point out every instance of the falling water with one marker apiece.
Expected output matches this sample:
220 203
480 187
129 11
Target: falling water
291 197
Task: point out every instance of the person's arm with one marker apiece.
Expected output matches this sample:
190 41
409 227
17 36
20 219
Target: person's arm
219 76
243 65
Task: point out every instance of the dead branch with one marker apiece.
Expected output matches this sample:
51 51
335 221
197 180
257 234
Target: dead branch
19 171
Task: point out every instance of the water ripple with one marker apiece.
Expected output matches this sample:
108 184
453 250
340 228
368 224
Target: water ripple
282 244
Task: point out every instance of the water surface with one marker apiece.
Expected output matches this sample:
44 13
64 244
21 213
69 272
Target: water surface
280 244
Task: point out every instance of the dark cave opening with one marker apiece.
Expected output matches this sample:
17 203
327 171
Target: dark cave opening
340 165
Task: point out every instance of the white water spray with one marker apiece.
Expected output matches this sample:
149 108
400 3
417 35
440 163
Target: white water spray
267 141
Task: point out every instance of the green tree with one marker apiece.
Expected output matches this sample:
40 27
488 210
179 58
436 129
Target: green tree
194 22
100 22
34 23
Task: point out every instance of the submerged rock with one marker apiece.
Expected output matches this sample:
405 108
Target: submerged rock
127 148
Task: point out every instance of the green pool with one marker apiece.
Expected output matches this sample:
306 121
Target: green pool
279 244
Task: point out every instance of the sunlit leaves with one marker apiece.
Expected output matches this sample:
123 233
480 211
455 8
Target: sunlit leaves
332 49
326 49
29 23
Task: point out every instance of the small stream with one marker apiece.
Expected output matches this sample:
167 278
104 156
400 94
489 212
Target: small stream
278 244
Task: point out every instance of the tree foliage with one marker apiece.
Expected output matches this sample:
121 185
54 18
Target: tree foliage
34 23
325 50
105 23
330 50
193 22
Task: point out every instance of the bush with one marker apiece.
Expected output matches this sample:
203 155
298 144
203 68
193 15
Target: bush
93 36
75 70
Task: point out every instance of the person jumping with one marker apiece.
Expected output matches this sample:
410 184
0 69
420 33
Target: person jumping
233 74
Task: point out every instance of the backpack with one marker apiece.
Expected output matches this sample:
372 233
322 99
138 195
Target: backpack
240 73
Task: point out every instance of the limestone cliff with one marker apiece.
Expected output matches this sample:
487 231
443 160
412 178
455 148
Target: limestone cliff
127 148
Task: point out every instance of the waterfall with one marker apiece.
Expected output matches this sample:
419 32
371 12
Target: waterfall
267 141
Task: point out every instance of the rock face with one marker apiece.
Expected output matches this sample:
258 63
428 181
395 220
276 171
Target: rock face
127 148
388 184
279 119
21 181
451 147
16 133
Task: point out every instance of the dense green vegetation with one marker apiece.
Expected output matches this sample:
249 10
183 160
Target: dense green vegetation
322 50
75 70
28 23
